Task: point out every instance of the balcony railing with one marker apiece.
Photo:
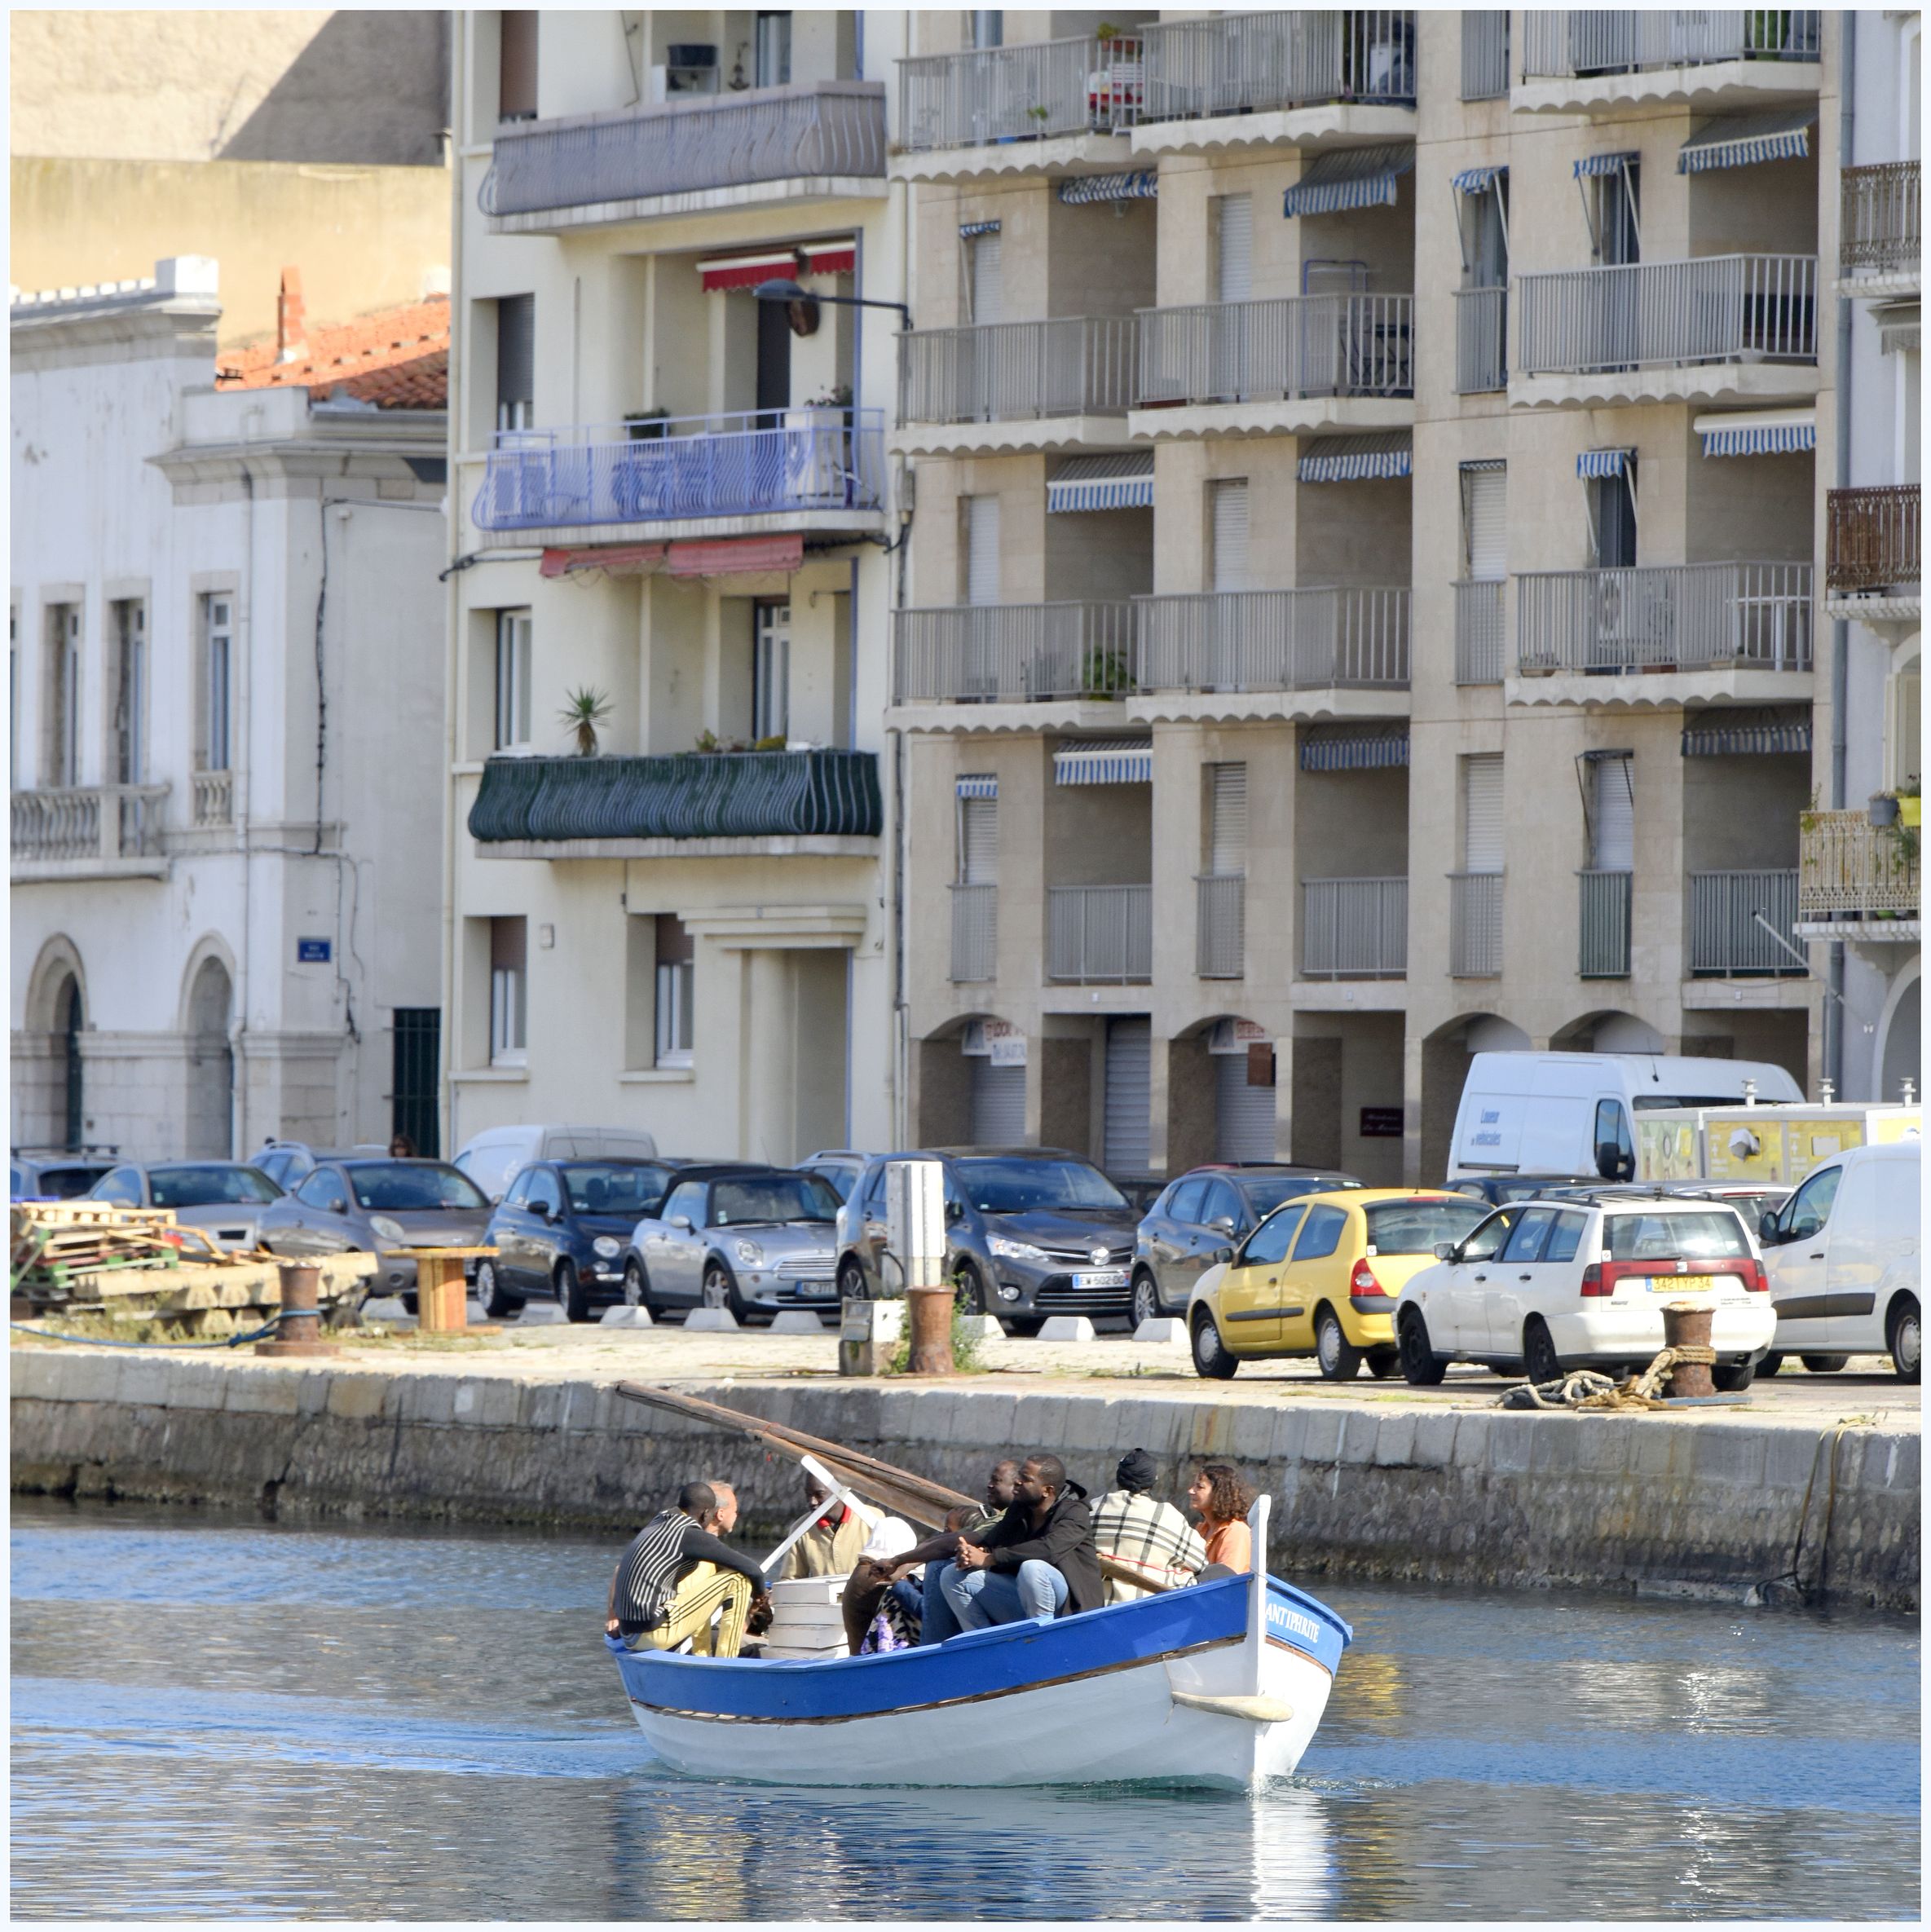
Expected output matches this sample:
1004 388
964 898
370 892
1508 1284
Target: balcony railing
1017 372
1873 539
1604 952
1481 631
1100 933
1354 929
1025 92
1573 43
1881 232
1849 868
1717 308
1291 346
1013 653
1474 924
211 799
1725 938
1670 617
1481 341
1254 63
88 822
738 464
1220 911
815 129
1271 640
975 934
1484 54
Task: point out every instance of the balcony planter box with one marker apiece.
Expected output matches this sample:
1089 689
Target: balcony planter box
649 426
1911 811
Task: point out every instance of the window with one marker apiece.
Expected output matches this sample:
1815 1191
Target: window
1226 821
1269 1241
217 648
513 679
773 49
1615 1153
1484 55
516 68
546 1194
322 1189
1184 1205
985 279
1482 219
122 1187
1612 504
130 631
1488 1237
1618 222
1525 1243
687 1199
13 692
1565 1238
1612 818
981 535
1220 1205
1810 1205
404 1186
978 841
1232 217
677 985
1414 1226
989 27
1674 1237
515 362
1903 701
519 1189
509 991
771 665
1482 813
1228 534
1485 523
64 694
1321 1234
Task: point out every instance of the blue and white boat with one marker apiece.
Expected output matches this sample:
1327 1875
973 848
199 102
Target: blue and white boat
1220 1683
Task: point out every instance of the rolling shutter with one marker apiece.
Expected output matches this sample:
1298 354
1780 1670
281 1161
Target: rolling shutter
1129 1096
1235 281
998 1104
1481 813
1245 1113
1230 535
516 350
1227 830
982 549
978 841
988 288
1613 836
1487 524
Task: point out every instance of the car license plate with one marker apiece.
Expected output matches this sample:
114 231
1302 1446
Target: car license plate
1101 1277
1678 1284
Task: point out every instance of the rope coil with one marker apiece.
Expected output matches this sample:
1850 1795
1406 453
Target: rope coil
1585 1388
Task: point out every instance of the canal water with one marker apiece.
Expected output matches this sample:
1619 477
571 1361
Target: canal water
223 1717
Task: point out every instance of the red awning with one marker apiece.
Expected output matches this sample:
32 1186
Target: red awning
738 556
772 265
616 560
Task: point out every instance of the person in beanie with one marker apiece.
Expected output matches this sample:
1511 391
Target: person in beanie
1134 1527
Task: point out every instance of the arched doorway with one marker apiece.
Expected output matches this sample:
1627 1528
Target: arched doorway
69 1022
1899 1056
1608 1032
1445 1056
210 1065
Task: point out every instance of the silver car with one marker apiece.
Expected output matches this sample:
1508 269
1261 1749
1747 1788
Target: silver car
751 1240
225 1199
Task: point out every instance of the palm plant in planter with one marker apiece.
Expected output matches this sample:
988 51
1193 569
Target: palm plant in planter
584 710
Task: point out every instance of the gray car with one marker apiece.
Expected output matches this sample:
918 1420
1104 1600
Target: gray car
226 1199
376 1205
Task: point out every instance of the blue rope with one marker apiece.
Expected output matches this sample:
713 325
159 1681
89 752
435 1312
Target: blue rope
49 1334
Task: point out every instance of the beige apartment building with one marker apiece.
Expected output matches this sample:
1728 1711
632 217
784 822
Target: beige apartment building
1369 484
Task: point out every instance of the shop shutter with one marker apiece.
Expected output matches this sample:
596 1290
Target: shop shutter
1487 524
1614 843
516 350
978 841
1129 1096
982 549
998 1104
1245 1113
1481 813
988 288
1230 535
1236 265
1227 830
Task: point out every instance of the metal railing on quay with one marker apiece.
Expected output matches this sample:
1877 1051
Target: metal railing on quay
1724 938
1848 867
1269 350
1271 640
1665 617
1484 54
212 798
1474 924
1881 226
77 822
967 654
975 934
1017 372
1574 43
1354 929
1220 913
1603 952
1873 538
1481 631
1099 934
1481 341
1027 92
1253 63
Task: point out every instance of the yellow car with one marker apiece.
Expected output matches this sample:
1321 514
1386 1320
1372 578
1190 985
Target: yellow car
1319 1277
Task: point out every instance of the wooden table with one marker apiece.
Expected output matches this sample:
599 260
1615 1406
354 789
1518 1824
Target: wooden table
441 1300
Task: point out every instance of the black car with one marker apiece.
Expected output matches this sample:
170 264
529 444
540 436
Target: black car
1033 1231
56 1176
1202 1216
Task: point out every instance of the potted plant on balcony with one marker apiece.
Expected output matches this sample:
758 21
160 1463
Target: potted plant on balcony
584 710
1104 673
1884 809
818 447
1910 804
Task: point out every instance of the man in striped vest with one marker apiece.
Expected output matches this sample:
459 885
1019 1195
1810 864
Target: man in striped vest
676 1575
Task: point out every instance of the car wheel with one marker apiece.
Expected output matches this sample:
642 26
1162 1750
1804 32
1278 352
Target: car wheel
1210 1357
407 1298
1418 1361
720 1291
1769 1365
637 1288
1539 1357
489 1292
1340 1361
968 1291
1732 1379
1818 1364
572 1295
853 1284
1383 1362
1146 1298
1902 1332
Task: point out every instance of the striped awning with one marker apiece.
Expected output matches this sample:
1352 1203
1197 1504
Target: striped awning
1141 184
1603 462
1120 482
1747 734
1356 459
1604 164
1758 432
1104 762
1742 140
746 270
978 784
1353 747
1349 177
968 230
1485 463
1478 181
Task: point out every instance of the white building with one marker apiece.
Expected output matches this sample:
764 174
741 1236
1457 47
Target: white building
225 892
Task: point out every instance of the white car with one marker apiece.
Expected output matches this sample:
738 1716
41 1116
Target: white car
494 1158
1549 1286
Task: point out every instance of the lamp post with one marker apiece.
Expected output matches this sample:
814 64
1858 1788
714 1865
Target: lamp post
794 293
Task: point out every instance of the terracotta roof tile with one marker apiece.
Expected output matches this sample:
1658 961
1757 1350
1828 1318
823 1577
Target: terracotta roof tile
410 345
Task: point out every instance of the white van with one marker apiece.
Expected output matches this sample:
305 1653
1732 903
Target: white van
1570 1114
1842 1255
493 1158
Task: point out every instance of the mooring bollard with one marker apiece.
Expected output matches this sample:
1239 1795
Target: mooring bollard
300 1330
1687 1328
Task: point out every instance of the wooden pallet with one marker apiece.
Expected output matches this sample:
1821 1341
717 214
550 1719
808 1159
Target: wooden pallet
53 1243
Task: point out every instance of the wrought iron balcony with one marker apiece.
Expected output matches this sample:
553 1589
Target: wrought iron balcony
1577 42
1481 341
1670 617
1354 929
1474 924
1873 540
1220 938
1725 938
1292 346
1013 654
1029 92
1481 631
974 934
1099 934
738 464
828 131
1849 869
1017 372
71 822
1271 640
1257 62
1881 231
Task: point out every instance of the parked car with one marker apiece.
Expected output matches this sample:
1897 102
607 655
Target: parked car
1549 1286
225 1199
37 1175
1202 1216
286 1161
1498 1190
741 1237
377 1206
562 1229
1750 1198
493 1159
1318 1277
839 1167
1843 1257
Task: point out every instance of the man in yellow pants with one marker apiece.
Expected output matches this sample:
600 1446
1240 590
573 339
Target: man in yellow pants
677 1574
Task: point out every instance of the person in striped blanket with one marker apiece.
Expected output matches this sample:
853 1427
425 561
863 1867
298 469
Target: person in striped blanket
1150 1538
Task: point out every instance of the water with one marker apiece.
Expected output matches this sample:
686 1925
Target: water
218 1716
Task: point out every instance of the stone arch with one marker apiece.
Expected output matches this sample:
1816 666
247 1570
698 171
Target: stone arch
1205 1118
1608 1029
208 1000
1445 1055
60 960
954 1088
51 1072
1898 1055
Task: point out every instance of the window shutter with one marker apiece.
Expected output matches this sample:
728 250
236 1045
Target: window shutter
1227 833
978 841
999 1104
1487 524
1129 1096
516 349
1230 535
515 82
989 291
1481 813
1235 281
1614 842
1244 1123
982 549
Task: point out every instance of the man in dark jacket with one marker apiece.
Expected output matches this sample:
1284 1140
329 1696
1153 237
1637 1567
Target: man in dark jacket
1038 1560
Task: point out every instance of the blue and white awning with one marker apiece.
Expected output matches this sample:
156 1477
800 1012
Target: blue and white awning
1121 482
1604 164
1478 181
1758 433
1353 747
1760 734
968 230
1604 462
1742 140
1348 177
978 784
1104 762
1357 459
1141 185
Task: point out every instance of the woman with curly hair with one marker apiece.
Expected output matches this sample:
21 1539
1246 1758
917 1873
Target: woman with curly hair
1221 1501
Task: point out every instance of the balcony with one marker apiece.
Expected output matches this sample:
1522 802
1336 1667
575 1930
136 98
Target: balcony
1293 365
1721 328
812 141
1013 654
690 804
744 473
1859 881
1725 942
1581 60
1481 631
1881 233
1220 925
999 387
211 795
1604 949
1481 341
974 934
1474 924
1870 571
1100 935
87 831
1354 929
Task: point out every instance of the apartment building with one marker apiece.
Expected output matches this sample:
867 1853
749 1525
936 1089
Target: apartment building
1367 470
673 521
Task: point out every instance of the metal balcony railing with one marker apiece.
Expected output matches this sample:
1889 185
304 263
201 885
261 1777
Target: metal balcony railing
1253 63
92 822
1881 231
1717 308
813 130
741 464
1725 938
1273 350
1100 933
1017 372
1481 631
969 654
975 934
1481 341
1028 92
1220 914
1577 42
211 799
1474 924
1271 640
1604 951
1484 54
1873 538
1849 868
1354 929
1670 617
